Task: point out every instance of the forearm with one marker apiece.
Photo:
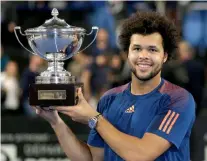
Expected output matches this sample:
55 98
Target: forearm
74 149
128 147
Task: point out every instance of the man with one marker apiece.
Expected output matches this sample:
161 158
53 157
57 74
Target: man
195 71
145 120
27 78
187 72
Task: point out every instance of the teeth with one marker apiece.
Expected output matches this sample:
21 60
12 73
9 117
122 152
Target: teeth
143 66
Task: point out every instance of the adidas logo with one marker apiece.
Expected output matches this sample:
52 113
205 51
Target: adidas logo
130 109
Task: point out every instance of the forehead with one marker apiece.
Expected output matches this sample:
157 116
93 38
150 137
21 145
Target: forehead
154 39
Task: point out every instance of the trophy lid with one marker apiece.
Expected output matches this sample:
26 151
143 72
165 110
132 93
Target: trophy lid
55 24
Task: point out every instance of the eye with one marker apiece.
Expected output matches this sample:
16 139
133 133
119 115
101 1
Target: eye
153 50
137 49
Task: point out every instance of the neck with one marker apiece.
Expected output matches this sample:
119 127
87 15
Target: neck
139 87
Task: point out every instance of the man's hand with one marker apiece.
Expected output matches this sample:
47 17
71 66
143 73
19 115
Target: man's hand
73 148
81 112
49 115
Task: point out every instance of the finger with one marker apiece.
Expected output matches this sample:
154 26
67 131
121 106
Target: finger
73 119
36 109
64 108
66 113
39 110
80 93
50 108
46 108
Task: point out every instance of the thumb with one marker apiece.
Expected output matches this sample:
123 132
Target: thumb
80 94
37 111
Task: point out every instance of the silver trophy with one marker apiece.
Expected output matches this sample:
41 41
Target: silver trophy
55 41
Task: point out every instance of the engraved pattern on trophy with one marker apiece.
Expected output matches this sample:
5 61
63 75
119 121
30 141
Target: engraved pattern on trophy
55 41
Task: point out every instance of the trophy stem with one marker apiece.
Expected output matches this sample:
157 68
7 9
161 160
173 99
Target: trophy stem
55 64
56 67
56 74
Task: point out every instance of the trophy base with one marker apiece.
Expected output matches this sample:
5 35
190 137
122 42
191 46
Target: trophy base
45 95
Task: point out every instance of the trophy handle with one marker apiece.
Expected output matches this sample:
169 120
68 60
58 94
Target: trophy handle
19 28
93 28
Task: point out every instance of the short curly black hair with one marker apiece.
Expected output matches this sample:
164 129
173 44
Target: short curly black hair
147 23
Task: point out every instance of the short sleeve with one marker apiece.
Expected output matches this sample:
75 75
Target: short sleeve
175 119
94 139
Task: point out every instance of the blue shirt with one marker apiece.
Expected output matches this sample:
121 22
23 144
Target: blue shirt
168 111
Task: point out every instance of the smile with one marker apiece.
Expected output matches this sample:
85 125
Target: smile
144 66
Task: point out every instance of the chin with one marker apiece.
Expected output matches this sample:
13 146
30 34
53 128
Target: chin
145 75
144 78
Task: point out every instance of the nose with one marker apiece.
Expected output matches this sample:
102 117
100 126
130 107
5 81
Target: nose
144 54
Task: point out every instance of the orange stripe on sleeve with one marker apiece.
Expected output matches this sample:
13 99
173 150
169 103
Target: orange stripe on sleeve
164 120
173 122
168 122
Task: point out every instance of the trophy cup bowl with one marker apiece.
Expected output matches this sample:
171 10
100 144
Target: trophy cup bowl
55 41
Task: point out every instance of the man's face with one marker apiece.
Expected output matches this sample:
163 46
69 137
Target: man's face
184 51
146 55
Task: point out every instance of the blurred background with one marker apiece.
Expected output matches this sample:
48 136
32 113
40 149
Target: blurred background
24 136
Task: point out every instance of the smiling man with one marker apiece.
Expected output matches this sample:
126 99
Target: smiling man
148 119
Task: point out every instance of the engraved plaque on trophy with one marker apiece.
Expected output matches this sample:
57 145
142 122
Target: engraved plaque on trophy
55 41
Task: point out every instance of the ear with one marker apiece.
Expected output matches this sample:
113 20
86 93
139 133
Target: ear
165 56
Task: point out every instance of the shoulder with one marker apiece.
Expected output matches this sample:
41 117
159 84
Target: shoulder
173 90
109 96
116 90
176 96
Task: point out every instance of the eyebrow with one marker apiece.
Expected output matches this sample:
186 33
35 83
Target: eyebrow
151 46
154 47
